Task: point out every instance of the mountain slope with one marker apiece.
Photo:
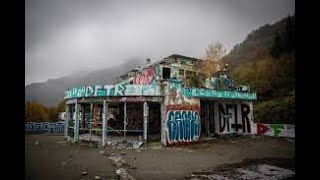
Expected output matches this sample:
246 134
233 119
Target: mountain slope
261 38
51 92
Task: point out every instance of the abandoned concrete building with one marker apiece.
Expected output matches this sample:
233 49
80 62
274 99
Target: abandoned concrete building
158 104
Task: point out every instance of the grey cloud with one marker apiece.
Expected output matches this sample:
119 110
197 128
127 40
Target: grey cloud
66 36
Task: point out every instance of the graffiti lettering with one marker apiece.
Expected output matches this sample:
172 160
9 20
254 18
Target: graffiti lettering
199 92
113 90
183 125
261 128
245 110
277 130
227 118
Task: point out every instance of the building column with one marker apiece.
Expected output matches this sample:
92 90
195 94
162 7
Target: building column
104 123
125 120
163 125
145 122
76 123
66 121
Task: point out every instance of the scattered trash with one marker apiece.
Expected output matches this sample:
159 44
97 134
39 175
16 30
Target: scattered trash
97 177
122 153
102 152
123 175
120 171
84 173
36 143
63 163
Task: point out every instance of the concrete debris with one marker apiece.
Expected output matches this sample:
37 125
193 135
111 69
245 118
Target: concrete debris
121 164
123 175
97 177
117 161
102 152
122 153
264 171
84 173
125 144
63 163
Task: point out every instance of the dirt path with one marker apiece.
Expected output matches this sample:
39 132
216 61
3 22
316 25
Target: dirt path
45 161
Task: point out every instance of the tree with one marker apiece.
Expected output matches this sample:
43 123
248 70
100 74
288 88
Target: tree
284 42
212 60
61 106
277 46
194 81
35 112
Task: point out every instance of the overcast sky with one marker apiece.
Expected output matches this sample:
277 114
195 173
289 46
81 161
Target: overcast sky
66 36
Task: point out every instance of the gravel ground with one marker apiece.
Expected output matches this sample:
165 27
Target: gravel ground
53 158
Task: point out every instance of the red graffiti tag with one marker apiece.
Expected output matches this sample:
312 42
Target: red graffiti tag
183 107
261 128
145 77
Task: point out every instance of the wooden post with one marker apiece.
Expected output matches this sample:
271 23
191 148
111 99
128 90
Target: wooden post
145 122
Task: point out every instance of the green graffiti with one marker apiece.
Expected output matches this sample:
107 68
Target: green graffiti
277 128
112 90
200 92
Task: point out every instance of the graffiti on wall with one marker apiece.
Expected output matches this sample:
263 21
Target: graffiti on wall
145 77
45 127
113 90
233 118
277 130
183 124
175 94
200 92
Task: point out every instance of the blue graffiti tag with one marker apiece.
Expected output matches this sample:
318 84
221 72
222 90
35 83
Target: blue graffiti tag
44 127
183 126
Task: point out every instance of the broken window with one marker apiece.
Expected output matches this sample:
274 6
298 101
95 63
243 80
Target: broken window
166 72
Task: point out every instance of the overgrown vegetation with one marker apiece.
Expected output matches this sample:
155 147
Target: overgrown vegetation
37 112
270 71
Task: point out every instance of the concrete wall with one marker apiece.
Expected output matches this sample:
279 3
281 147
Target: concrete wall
275 130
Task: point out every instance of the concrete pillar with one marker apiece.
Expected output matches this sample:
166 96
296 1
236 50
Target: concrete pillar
163 125
76 123
125 120
104 123
145 122
66 121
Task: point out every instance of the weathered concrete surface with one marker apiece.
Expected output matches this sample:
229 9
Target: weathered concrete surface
53 159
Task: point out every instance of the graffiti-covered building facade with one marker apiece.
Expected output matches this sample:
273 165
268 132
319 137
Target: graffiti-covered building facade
160 103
